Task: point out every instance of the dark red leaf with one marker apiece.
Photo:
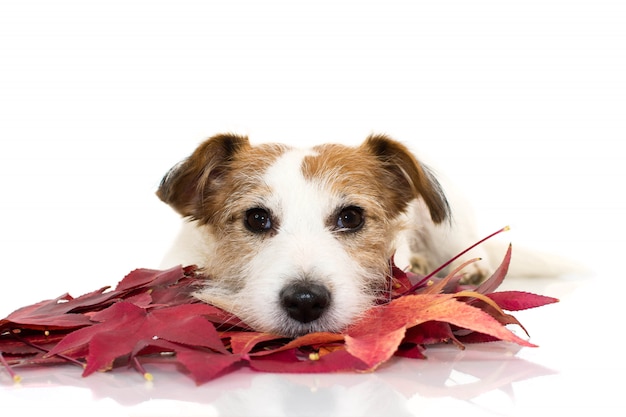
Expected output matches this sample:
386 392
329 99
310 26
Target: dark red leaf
410 350
201 364
142 277
429 333
107 340
54 313
123 325
497 277
184 324
289 361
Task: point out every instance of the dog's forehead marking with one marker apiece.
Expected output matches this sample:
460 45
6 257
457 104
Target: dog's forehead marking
324 176
301 202
285 175
290 161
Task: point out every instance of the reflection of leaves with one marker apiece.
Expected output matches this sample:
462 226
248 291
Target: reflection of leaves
466 374
150 317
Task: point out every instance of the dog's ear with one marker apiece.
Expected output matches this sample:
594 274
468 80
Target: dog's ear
188 185
408 177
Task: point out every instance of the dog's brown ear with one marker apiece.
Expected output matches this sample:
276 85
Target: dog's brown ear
188 184
408 177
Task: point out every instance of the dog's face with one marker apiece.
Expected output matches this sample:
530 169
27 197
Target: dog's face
300 240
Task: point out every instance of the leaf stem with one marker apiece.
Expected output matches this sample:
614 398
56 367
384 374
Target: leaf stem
16 377
147 375
445 264
65 357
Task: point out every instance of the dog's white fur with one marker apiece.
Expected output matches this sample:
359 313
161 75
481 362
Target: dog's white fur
303 191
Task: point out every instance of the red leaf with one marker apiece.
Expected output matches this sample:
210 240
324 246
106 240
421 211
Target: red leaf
410 350
124 325
244 342
311 339
120 323
107 346
54 313
400 281
412 310
184 324
497 277
520 300
375 348
202 365
430 333
288 361
205 366
142 277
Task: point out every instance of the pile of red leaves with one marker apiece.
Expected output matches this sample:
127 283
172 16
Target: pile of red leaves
150 317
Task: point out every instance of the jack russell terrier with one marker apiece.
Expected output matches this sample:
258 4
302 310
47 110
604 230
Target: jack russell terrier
300 240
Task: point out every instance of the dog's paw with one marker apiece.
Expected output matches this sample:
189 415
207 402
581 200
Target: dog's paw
474 273
419 265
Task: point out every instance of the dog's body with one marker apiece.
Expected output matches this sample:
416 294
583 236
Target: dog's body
296 241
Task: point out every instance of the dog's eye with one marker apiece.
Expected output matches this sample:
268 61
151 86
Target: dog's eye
258 220
350 219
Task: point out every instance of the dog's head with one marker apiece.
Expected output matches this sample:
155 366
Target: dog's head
300 239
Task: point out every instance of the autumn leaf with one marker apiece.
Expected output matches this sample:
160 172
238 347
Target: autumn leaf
491 284
244 342
52 314
376 337
201 364
288 361
520 300
312 340
428 333
124 325
375 348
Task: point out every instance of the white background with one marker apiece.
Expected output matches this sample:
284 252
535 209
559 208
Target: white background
523 103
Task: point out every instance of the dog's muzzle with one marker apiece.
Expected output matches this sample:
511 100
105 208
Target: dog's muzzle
305 301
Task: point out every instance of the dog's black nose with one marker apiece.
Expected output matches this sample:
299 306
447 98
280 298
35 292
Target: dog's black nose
304 301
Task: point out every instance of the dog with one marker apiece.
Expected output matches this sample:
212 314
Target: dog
295 241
